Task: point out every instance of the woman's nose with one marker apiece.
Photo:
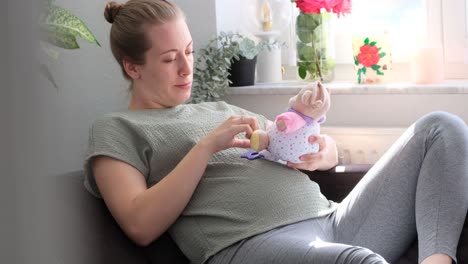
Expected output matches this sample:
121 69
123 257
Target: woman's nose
186 65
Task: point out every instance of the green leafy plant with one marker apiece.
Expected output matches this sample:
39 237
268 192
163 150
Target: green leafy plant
248 48
61 28
270 44
211 69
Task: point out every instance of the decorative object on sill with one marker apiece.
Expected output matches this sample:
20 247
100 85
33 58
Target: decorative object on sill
315 39
372 58
427 63
242 70
287 139
60 28
211 68
266 19
269 59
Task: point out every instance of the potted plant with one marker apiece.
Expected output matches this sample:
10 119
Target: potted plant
242 70
213 65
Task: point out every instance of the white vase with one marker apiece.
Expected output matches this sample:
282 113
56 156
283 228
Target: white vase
269 66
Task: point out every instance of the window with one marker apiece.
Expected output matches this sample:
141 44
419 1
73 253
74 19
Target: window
407 22
455 37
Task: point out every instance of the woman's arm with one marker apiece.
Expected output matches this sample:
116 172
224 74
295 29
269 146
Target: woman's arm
145 213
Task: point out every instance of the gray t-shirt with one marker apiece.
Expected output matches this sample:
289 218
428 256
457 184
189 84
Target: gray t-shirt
236 198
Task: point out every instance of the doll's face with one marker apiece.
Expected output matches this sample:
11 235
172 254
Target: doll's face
312 101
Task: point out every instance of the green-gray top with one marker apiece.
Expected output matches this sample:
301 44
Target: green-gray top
236 198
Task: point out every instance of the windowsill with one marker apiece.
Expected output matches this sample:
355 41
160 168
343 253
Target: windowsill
342 87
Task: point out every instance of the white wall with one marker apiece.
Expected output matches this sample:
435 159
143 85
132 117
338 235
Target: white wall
201 19
7 214
91 84
364 110
25 144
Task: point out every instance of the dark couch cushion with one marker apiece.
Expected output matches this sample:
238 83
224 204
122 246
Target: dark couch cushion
83 229
85 232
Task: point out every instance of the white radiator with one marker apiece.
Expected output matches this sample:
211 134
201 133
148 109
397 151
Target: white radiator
362 145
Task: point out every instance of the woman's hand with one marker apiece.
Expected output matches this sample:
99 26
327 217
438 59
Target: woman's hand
326 158
224 136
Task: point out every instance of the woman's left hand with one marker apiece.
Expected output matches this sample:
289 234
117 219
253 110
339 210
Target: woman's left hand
325 159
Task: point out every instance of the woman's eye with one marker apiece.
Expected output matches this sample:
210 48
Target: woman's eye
169 60
190 52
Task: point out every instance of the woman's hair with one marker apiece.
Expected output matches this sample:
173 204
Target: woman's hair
130 21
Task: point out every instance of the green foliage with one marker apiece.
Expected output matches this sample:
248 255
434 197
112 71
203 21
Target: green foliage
61 28
210 76
270 44
314 61
248 48
211 69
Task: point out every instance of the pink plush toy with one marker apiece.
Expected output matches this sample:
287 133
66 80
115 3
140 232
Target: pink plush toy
287 139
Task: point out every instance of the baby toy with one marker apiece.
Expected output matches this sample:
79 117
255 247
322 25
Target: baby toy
287 139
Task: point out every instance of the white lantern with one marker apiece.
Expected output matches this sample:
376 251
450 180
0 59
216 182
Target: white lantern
266 19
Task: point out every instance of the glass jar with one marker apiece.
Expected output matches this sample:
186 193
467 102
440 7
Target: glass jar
315 47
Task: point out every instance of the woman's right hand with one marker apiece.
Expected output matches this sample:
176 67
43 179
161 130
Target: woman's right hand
224 136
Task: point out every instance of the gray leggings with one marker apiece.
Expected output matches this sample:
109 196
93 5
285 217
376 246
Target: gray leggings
418 188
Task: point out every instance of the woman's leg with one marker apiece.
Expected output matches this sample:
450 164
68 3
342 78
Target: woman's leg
298 243
420 185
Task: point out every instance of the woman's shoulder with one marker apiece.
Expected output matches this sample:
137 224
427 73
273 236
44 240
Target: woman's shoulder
118 120
150 116
131 115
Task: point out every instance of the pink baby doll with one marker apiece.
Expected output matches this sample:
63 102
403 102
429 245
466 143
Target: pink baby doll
287 139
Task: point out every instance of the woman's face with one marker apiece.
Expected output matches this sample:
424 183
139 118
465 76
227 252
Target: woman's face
166 77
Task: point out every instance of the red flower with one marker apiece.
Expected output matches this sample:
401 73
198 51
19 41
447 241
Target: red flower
340 7
369 55
312 6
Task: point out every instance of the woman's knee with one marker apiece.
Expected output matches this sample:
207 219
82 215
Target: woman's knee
444 122
361 255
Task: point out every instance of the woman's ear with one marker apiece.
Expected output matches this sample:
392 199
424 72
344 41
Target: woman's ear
132 69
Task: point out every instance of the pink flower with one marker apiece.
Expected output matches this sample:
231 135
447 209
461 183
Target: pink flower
314 6
340 7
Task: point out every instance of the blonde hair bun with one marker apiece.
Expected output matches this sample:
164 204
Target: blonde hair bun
111 10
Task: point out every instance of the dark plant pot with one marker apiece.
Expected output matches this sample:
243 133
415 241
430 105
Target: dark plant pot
242 71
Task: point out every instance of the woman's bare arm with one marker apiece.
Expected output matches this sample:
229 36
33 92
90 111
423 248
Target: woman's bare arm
145 213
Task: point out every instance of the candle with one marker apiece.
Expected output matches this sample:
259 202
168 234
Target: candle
427 64
267 21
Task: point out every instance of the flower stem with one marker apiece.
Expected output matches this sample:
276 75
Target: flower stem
317 64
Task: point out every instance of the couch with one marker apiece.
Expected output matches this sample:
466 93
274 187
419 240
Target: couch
85 232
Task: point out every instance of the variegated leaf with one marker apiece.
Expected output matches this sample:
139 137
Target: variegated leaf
60 39
63 21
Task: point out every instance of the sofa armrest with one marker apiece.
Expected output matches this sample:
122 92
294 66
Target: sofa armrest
337 182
